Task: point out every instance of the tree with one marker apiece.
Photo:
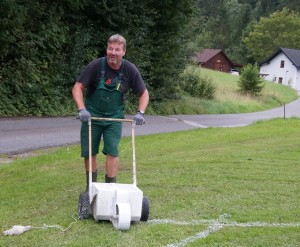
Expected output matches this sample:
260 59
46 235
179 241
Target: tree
45 44
225 23
250 81
223 26
166 46
281 29
33 36
237 18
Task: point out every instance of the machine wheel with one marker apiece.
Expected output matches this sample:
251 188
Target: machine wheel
122 219
145 209
84 207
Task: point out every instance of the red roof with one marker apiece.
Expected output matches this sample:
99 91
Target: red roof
206 55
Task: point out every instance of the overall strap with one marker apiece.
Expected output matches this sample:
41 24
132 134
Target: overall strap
120 79
102 66
122 69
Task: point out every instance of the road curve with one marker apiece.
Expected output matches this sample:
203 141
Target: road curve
19 135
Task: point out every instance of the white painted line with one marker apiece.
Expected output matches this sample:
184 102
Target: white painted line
205 126
193 123
175 222
199 235
228 224
214 226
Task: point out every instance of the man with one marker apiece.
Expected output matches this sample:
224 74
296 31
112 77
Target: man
106 81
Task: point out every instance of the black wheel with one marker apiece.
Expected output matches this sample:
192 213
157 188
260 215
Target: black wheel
84 207
145 209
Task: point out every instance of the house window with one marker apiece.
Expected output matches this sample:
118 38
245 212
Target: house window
280 80
282 64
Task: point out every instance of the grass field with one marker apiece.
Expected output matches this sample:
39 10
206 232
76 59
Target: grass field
207 187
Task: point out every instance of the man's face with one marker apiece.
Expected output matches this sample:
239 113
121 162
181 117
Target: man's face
115 52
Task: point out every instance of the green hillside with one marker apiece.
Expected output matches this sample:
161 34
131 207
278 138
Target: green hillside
227 98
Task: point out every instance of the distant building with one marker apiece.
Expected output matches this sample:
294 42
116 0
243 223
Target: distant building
214 59
283 67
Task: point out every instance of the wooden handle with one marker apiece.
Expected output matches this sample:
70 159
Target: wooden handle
112 119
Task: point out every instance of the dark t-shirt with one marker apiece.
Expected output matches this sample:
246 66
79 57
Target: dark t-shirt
131 78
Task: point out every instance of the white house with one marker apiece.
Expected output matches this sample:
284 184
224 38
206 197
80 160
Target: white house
282 67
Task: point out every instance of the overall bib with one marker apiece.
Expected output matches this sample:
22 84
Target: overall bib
107 100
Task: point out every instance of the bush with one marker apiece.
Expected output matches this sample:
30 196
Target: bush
197 85
250 81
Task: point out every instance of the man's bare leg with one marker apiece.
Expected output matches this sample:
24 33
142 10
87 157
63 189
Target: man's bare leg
94 163
112 164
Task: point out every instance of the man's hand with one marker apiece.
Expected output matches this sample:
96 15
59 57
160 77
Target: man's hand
139 118
84 115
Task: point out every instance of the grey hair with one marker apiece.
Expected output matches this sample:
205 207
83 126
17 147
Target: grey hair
117 38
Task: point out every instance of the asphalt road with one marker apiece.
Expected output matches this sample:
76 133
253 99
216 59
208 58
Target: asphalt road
20 135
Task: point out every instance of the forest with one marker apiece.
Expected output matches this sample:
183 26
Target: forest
45 44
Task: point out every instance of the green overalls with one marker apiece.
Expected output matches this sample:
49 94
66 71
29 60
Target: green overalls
106 101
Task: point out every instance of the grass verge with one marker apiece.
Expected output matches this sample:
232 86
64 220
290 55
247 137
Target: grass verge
249 174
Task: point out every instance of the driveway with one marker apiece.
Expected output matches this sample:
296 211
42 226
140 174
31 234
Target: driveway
20 135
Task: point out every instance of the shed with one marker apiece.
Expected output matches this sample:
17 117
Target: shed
214 59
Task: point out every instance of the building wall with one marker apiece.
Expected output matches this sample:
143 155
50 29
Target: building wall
218 62
288 75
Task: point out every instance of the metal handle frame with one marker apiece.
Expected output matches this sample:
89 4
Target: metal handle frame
132 142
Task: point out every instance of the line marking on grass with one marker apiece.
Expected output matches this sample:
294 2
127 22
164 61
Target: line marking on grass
214 226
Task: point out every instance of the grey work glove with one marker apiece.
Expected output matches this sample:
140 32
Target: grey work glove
139 118
84 115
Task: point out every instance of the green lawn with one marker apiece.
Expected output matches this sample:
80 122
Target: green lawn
207 187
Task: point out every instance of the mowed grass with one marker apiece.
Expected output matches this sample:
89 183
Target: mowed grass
248 174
